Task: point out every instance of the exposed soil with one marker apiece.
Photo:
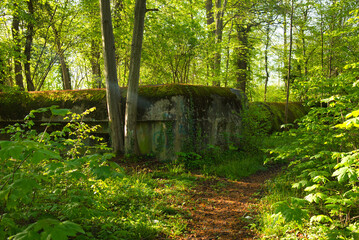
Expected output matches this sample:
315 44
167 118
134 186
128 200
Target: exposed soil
220 208
224 209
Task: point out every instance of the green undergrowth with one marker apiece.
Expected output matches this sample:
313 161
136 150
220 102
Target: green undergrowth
230 163
241 157
56 186
317 195
275 113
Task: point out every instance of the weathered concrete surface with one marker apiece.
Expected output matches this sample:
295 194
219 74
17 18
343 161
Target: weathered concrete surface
188 123
273 113
171 118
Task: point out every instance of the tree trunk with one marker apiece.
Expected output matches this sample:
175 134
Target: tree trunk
285 52
46 72
2 71
322 42
133 79
266 62
289 61
331 42
65 73
219 37
17 50
113 93
28 47
217 34
211 36
95 65
228 54
209 13
304 44
242 57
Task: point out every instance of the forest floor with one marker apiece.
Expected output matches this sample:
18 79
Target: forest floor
225 209
219 208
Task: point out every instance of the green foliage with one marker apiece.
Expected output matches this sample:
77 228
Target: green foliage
264 118
35 166
55 185
236 165
190 160
49 229
256 122
230 162
323 171
274 93
291 211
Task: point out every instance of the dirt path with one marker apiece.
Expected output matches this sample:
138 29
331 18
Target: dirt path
223 209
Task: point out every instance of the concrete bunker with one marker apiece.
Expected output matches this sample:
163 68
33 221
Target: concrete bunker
171 118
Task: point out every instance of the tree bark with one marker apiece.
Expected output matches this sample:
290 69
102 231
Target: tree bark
209 13
46 72
322 43
242 57
219 36
113 93
212 33
17 49
228 54
285 52
304 44
134 75
95 65
216 34
289 61
266 62
28 46
2 71
65 73
218 41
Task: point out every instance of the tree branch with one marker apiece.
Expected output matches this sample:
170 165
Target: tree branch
152 10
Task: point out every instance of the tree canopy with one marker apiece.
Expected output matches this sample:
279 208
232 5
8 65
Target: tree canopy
50 44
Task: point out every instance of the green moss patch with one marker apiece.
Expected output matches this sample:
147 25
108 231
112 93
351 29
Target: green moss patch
276 112
15 105
170 90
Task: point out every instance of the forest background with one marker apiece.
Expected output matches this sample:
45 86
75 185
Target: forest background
46 45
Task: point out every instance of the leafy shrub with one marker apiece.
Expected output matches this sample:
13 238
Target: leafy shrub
190 160
323 172
39 169
54 185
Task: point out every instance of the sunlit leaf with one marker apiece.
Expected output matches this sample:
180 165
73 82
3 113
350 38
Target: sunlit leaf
343 174
290 213
60 112
102 172
51 229
320 219
353 114
42 154
311 188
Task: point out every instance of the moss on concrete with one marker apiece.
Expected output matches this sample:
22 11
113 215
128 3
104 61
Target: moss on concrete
15 105
276 112
169 90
